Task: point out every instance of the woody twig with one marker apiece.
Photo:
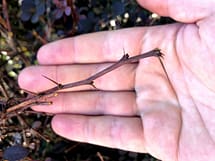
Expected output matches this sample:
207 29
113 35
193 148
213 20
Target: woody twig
42 97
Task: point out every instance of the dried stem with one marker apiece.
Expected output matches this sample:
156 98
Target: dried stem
3 89
5 12
43 96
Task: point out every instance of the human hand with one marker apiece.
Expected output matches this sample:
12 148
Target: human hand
139 109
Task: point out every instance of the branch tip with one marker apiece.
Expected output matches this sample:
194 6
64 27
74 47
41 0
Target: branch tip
158 52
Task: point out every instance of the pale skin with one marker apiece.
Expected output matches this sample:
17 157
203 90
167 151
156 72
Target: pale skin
138 109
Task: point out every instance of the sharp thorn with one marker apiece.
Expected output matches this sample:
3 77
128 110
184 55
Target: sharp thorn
125 55
51 80
92 84
124 51
58 84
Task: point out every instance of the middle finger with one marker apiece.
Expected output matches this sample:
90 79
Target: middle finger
93 103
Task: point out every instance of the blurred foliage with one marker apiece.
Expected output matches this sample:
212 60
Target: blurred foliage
25 25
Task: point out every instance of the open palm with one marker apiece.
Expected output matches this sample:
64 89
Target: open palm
138 108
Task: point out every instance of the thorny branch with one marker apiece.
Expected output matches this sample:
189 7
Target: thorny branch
42 97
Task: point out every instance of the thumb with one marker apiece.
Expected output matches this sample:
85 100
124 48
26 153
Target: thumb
181 10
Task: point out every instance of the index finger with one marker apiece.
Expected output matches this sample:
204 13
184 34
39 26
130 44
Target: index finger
92 48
